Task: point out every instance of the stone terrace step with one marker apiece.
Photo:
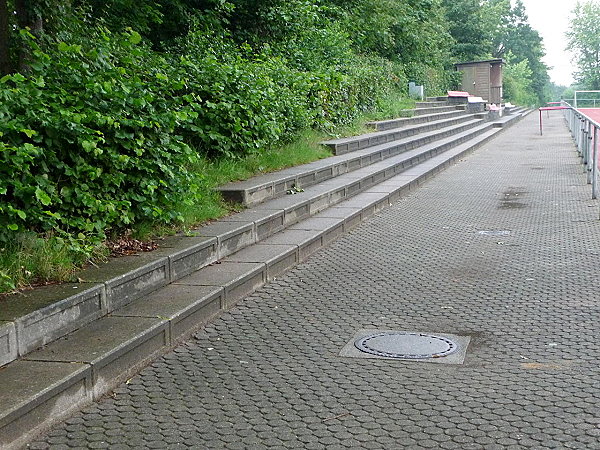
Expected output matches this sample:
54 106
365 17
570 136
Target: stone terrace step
326 194
521 111
431 104
443 98
264 187
49 383
431 110
426 132
38 317
507 120
383 125
513 116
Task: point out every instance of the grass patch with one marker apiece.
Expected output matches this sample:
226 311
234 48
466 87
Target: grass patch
211 174
34 259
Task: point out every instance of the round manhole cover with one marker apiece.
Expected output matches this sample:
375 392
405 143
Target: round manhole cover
405 345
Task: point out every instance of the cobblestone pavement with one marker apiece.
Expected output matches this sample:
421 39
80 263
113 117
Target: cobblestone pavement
268 373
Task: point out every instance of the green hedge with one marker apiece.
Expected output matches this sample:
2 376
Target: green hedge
100 133
89 139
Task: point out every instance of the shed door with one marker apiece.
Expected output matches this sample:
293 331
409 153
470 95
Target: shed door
482 81
468 79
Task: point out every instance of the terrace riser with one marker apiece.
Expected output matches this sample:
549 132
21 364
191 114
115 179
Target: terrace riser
386 125
371 140
311 177
363 181
421 111
433 104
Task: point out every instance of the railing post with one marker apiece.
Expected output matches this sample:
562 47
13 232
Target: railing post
595 165
584 153
571 122
580 138
588 151
581 135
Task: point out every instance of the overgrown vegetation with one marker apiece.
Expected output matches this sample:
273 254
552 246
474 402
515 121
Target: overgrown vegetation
119 115
584 41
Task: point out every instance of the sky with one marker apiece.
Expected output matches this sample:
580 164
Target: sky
551 19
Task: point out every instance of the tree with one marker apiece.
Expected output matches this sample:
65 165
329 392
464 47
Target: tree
518 82
5 65
515 36
584 41
468 27
35 16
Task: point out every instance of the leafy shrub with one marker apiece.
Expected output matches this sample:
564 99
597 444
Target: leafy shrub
103 132
238 106
518 82
88 139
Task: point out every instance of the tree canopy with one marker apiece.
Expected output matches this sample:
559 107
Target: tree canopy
584 41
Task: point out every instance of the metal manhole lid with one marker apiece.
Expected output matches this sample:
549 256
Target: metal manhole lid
406 345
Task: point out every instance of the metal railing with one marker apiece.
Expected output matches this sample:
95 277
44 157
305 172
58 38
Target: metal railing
585 134
585 102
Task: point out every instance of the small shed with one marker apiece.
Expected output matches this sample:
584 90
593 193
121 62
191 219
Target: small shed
483 79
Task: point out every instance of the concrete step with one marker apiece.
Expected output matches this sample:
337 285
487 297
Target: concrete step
264 187
507 120
48 384
423 133
523 111
383 125
443 98
431 110
431 104
515 110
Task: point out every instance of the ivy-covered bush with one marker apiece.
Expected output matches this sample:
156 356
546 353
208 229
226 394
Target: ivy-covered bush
101 132
88 138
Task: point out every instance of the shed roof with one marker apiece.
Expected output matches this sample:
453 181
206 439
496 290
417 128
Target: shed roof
489 61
